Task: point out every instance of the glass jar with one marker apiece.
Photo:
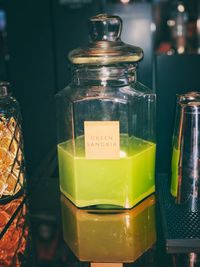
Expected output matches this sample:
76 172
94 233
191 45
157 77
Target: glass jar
11 146
14 232
106 123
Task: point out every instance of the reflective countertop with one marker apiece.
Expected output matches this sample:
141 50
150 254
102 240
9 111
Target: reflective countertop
61 235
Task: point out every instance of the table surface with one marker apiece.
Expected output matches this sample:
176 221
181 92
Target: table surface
60 234
63 235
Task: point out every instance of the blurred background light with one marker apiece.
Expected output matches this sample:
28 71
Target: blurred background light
181 8
124 1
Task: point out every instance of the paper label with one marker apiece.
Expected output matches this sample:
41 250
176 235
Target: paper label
106 264
102 139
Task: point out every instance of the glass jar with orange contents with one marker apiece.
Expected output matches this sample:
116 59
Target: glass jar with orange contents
11 146
13 208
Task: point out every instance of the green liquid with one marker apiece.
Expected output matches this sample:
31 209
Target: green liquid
122 182
174 177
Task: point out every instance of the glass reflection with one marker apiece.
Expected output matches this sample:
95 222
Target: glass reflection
13 232
109 235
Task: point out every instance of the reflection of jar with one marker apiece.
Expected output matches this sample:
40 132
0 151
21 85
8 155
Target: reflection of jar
109 236
13 233
106 119
11 145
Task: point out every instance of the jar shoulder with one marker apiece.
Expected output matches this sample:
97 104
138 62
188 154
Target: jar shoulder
78 93
142 88
9 106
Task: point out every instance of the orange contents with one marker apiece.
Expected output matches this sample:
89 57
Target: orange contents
11 159
13 242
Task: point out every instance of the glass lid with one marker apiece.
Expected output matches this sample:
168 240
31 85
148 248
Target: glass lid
106 47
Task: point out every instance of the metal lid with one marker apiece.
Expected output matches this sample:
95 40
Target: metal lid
106 46
191 107
188 97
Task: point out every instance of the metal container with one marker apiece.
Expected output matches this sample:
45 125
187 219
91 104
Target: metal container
185 183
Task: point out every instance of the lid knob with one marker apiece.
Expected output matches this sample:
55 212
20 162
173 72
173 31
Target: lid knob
105 27
106 47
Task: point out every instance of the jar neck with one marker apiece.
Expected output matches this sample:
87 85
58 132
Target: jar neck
114 75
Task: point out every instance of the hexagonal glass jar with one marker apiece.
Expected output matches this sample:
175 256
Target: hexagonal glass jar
106 123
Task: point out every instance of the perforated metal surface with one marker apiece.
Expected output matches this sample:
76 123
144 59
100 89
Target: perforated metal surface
181 227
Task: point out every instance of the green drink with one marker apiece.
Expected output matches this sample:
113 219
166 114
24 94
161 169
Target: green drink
122 182
174 177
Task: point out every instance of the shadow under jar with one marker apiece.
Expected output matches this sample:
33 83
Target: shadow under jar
106 123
